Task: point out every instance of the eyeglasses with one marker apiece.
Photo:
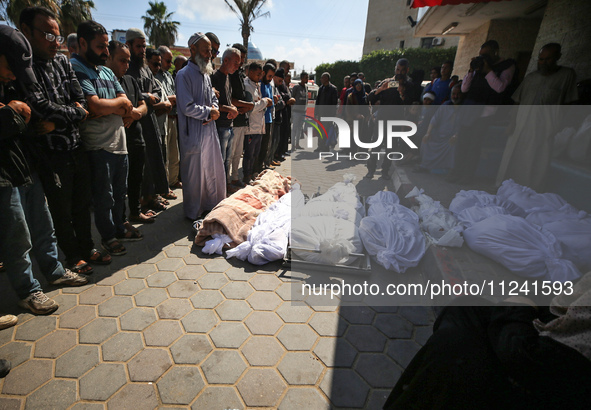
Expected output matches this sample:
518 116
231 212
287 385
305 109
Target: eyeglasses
51 37
215 53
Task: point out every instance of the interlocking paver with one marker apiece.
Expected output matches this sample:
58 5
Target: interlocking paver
77 361
265 282
335 352
261 387
149 365
75 290
402 351
207 299
10 404
239 274
263 323
6 335
262 351
418 315
218 397
55 344
57 394
217 265
36 328
161 279
223 367
394 326
130 287
290 292
366 338
122 347
304 398
237 290
191 349
422 334
138 319
113 279
183 289
162 333
328 324
135 396
297 312
233 310
96 295
151 297
345 388
385 309
377 398
141 271
323 303
174 308
193 259
229 335
66 303
27 377
373 368
156 258
77 317
297 337
170 264
357 315
300 368
102 381
98 330
180 385
200 321
88 406
115 306
264 301
190 272
177 251
212 281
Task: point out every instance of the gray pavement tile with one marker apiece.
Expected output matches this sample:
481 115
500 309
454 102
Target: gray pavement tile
303 398
402 351
261 387
193 259
239 274
151 297
200 321
265 282
134 396
184 242
180 385
207 299
223 367
129 287
217 265
218 397
385 309
212 281
357 315
190 272
88 406
294 312
297 337
174 308
161 279
191 349
55 344
115 306
263 323
264 301
170 264
335 352
262 351
76 290
377 398
323 303
366 338
290 291
422 334
156 258
345 388
149 365
299 368
328 324
122 347
377 370
102 381
177 252
98 330
163 333
111 279
233 310
77 361
57 394
183 289
77 317
417 315
237 290
6 335
10 403
95 295
36 328
229 335
141 271
394 326
137 319
27 377
66 303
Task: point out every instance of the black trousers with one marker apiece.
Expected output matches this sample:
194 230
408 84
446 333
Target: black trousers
136 157
252 146
285 137
265 147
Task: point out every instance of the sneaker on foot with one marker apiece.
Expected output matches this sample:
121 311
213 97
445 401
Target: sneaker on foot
39 303
71 279
7 321
4 368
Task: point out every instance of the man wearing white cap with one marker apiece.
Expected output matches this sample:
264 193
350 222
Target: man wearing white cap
202 167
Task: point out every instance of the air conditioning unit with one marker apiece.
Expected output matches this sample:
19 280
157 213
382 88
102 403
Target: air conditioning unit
437 41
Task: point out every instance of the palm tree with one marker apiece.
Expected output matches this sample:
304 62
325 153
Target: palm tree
74 12
247 12
11 9
160 29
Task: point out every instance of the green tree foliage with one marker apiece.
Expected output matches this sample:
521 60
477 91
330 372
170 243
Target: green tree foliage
338 70
247 12
11 9
159 27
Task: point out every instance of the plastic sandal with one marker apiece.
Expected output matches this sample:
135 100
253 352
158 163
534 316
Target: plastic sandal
114 247
96 257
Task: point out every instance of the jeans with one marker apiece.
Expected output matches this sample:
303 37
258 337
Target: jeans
265 147
109 186
27 226
298 127
136 158
274 143
226 135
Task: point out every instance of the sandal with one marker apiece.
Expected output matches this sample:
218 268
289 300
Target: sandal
82 267
143 218
130 236
171 195
99 258
159 206
161 200
114 247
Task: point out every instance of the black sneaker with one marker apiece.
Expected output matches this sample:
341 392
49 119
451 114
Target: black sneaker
4 368
39 303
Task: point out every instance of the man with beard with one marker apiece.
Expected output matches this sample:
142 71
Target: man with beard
202 167
155 181
104 135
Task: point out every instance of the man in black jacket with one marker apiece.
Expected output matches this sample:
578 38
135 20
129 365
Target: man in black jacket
326 105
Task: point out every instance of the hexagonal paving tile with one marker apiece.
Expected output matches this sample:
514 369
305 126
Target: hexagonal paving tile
366 338
261 387
170 264
403 351
263 323
66 303
422 334
122 347
193 259
129 287
394 326
174 309
217 265
373 368
290 291
151 297
335 352
223 367
6 335
297 337
57 394
177 251
36 328
55 344
95 295
180 385
262 351
115 306
300 368
212 281
102 381
264 301
294 312
344 387
230 335
328 324
377 398
10 404
183 289
135 396
322 303
161 279
77 361
418 315
239 274
141 271
88 406
77 317
217 397
75 290
207 299
233 310
306 398
200 321
156 258
360 315
163 333
112 279
265 282
27 377
191 349
237 290
16 352
190 272
137 319
149 365
98 330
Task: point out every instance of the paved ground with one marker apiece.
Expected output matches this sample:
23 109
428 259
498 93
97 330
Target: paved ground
168 327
